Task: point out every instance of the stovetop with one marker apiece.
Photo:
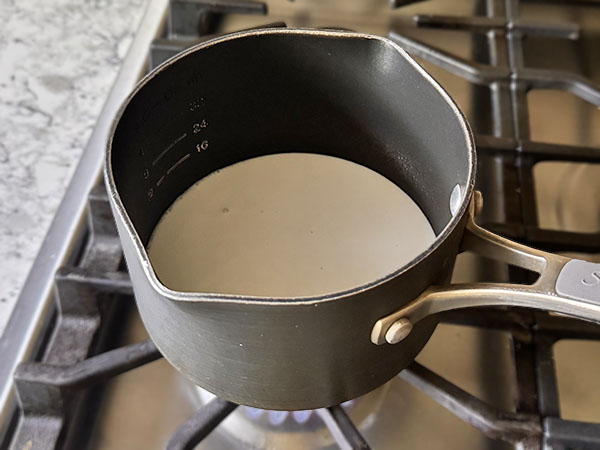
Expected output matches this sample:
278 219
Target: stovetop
526 75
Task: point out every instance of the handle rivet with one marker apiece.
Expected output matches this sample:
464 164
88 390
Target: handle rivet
478 198
398 331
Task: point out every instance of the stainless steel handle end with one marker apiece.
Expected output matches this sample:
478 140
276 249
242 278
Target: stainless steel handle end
579 280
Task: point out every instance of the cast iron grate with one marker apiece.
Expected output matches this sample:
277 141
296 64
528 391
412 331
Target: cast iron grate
52 391
509 82
537 422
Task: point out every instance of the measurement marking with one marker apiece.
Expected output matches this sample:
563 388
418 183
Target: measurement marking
160 180
174 166
164 152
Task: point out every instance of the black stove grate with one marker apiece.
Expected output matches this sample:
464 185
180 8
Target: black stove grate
537 422
54 391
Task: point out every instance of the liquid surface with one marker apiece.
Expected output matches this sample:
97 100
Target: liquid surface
287 225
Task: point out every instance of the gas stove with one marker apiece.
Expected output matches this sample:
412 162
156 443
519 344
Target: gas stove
78 370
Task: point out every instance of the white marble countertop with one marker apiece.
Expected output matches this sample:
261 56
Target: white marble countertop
58 61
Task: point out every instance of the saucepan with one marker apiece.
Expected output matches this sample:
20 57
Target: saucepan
343 94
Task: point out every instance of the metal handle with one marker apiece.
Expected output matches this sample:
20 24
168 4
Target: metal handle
567 286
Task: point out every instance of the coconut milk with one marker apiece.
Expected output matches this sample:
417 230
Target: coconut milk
287 225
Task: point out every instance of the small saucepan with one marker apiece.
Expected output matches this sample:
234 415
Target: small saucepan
343 94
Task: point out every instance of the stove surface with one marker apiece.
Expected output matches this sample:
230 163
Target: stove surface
505 374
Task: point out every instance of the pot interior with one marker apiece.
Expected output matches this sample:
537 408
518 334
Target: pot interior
278 91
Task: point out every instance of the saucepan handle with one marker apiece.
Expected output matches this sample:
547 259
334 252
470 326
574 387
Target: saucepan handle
567 286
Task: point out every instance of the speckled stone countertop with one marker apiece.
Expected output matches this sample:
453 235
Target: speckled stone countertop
58 61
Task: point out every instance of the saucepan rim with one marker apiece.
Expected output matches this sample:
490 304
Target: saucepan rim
192 297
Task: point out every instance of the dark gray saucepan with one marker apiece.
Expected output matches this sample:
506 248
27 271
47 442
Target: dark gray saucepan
344 94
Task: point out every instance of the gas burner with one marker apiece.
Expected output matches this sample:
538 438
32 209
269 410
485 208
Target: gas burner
260 428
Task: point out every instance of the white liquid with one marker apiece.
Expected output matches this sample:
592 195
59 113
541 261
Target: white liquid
287 225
